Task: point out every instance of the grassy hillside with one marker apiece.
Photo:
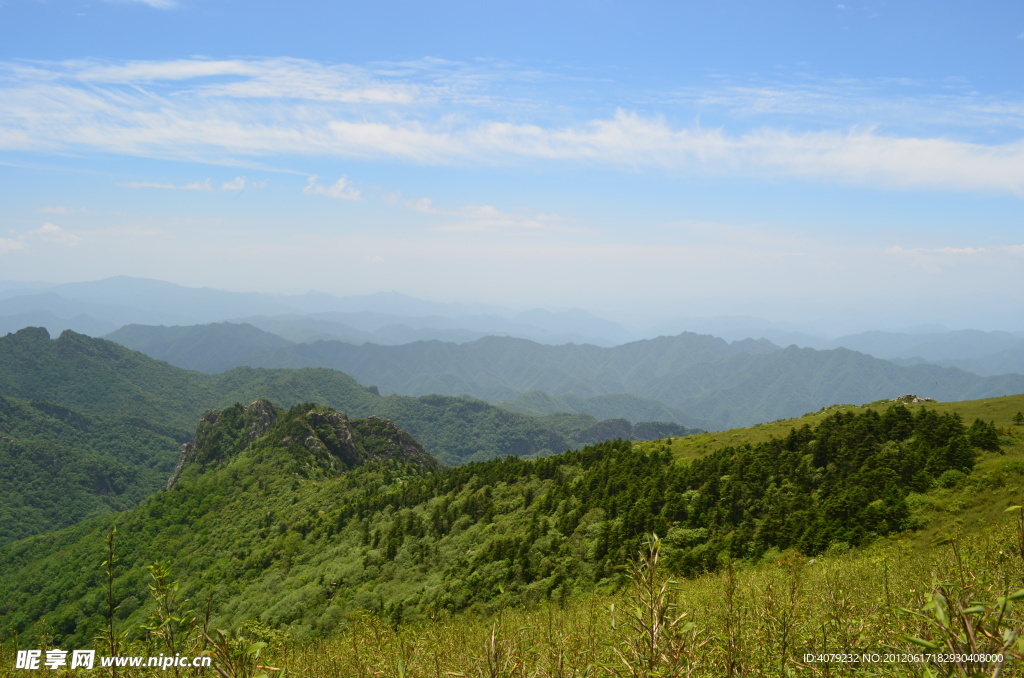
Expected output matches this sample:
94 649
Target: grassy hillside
268 524
1000 411
980 498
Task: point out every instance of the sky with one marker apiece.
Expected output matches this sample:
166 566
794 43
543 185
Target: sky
813 163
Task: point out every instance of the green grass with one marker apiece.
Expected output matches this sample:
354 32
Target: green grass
758 620
999 410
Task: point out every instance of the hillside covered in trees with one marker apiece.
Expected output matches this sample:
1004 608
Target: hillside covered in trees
100 377
299 517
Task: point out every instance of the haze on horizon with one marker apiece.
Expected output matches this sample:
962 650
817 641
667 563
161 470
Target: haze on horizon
852 164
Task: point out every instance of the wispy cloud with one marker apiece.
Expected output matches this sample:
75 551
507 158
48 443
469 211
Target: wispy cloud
228 110
901 105
8 245
55 234
342 189
236 184
489 218
280 78
155 4
194 186
61 210
47 232
936 259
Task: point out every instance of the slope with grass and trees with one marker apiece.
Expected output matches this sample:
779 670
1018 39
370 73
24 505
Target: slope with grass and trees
298 518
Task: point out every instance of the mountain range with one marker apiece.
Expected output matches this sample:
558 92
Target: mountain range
99 307
694 380
96 376
102 306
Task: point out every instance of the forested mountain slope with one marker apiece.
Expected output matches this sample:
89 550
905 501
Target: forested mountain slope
101 377
212 348
695 378
59 466
299 517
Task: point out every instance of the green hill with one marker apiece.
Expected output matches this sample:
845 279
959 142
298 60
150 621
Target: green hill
98 376
299 517
207 348
59 466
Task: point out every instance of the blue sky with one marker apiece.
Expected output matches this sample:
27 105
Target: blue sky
809 162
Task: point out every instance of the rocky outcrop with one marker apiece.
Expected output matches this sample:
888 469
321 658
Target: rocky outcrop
221 434
324 439
911 398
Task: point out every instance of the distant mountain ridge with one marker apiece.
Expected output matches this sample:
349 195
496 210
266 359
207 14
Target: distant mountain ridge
697 380
101 306
984 353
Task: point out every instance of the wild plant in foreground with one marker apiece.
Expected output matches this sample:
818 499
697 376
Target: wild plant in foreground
658 641
978 629
235 656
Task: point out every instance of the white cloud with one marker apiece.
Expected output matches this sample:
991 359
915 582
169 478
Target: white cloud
969 251
342 189
194 186
937 259
48 232
488 217
900 105
964 251
61 210
8 245
225 111
280 78
236 184
55 234
155 4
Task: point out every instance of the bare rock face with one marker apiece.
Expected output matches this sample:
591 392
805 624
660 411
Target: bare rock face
382 439
263 415
187 452
911 398
223 433
340 443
